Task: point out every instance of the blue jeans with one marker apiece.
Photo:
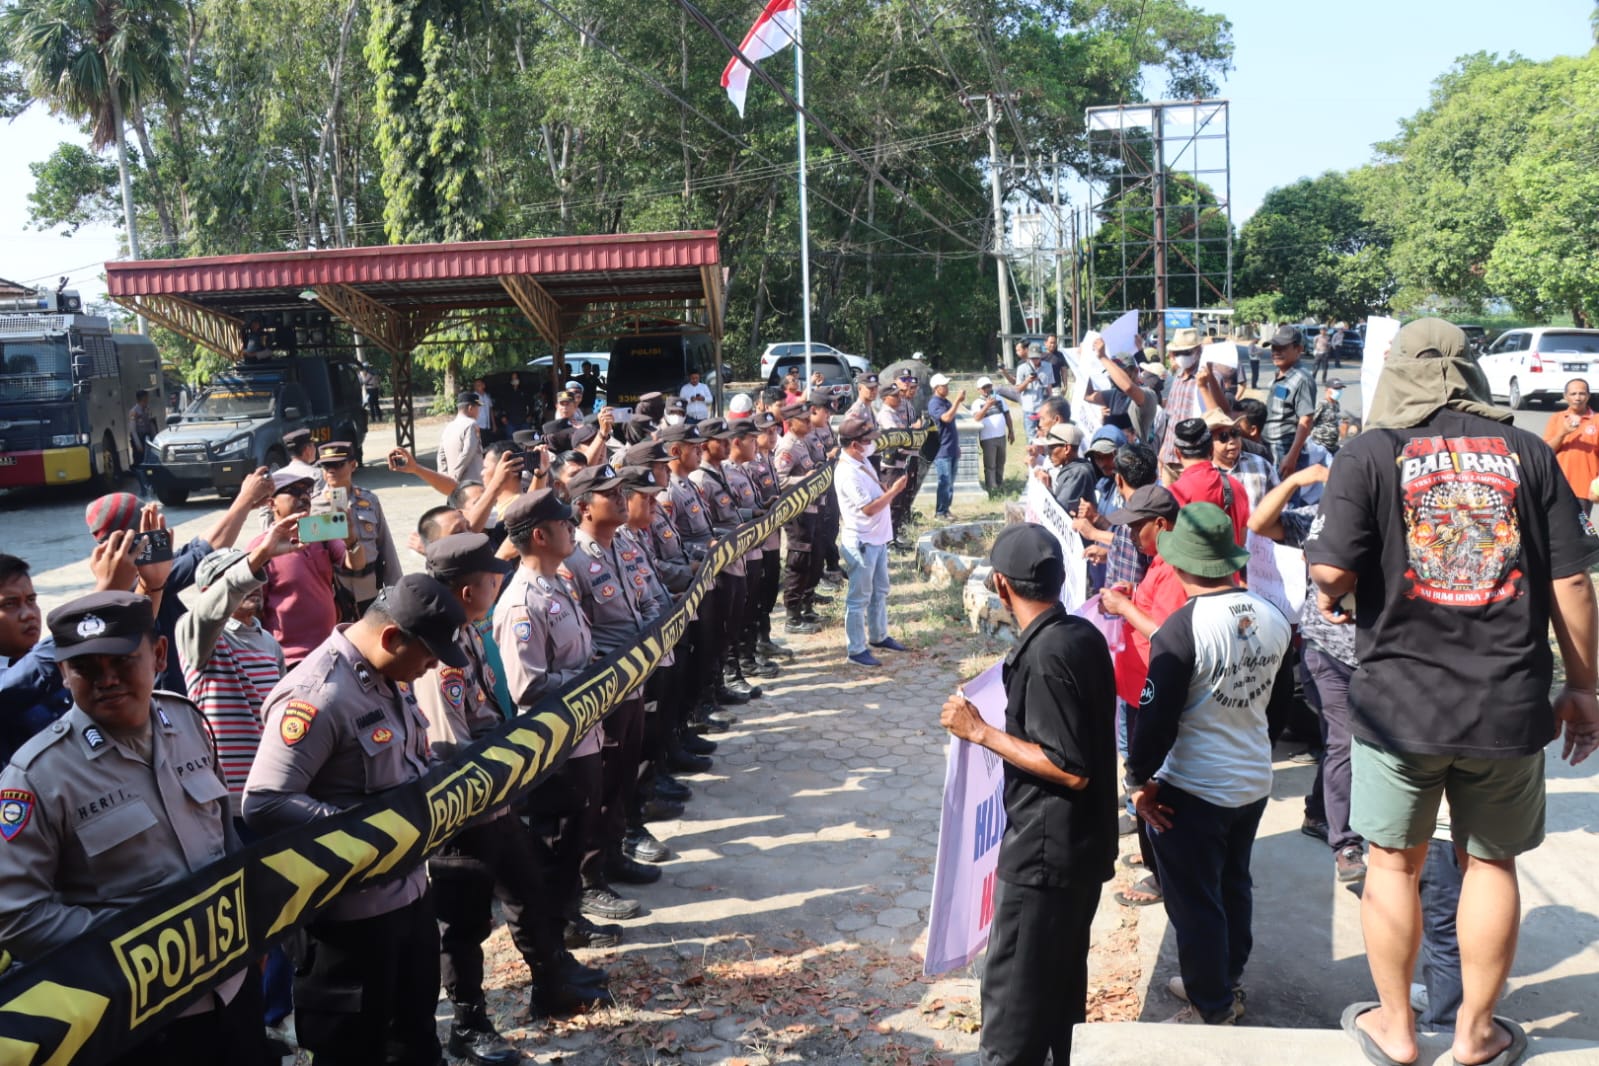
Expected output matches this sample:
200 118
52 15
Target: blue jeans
1203 865
866 602
1440 949
945 494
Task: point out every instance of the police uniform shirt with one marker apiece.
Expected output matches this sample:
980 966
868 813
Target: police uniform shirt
759 473
639 567
793 462
899 417
615 609
92 825
459 704
745 499
382 560
860 409
545 642
671 560
720 506
690 515
334 732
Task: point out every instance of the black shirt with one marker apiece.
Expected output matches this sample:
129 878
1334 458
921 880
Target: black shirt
1061 695
1454 530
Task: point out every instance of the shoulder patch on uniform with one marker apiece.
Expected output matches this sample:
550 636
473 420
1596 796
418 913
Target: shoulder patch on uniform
94 738
363 674
524 629
16 807
452 681
296 722
160 712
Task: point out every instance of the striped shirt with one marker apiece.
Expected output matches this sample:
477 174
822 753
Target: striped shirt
230 689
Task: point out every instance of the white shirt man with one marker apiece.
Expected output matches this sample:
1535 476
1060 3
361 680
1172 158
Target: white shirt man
485 409
696 398
460 447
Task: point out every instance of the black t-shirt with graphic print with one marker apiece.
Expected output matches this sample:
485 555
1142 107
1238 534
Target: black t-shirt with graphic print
1455 529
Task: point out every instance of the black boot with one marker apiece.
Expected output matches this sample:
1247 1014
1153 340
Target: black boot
582 933
472 1037
754 664
558 1000
697 745
618 867
800 625
670 788
640 845
733 679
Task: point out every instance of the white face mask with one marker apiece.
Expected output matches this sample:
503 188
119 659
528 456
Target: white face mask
673 420
1186 361
871 450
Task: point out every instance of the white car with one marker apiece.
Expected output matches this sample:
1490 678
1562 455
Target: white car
774 352
1535 363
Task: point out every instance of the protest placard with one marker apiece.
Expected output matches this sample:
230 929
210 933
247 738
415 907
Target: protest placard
1277 574
1380 334
1121 336
1220 354
1039 506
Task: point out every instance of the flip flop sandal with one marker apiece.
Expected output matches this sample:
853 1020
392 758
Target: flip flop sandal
1147 886
1133 862
1513 1051
1368 1047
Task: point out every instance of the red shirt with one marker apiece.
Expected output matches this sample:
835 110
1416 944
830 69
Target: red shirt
1202 483
297 599
1158 596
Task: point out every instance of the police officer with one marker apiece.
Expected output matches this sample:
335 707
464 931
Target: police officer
763 597
339 728
302 457
731 585
865 399
825 447
793 461
382 563
618 614
110 803
739 441
494 855
545 642
896 412
647 414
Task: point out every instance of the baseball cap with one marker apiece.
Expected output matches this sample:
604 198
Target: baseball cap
937 379
467 399
1061 433
463 554
683 432
984 383
424 608
643 453
638 478
581 435
110 513
764 420
101 623
1286 337
797 409
1105 441
335 452
532 508
866 379
1027 552
1148 501
212 566
1035 351
819 398
592 479
858 428
285 479
714 429
525 438
908 375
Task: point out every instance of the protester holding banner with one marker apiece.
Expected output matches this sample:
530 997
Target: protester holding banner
113 801
1200 758
1059 846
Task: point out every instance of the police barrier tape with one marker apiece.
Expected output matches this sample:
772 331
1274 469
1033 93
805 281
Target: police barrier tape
98 995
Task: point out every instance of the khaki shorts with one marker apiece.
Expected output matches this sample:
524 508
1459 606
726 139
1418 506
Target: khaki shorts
1496 806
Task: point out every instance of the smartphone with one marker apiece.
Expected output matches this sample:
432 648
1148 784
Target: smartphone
154 546
339 498
397 461
331 526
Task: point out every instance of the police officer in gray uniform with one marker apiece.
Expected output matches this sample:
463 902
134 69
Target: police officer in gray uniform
742 450
381 561
731 584
825 447
118 798
494 855
761 475
340 728
793 461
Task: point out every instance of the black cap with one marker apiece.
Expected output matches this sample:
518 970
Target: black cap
1148 501
1027 551
866 379
101 623
466 399
644 453
819 398
335 452
581 435
1192 437
797 409
742 427
592 479
531 508
555 425
652 405
1287 336
296 438
283 479
764 420
857 428
526 438
715 429
682 432
428 611
677 404
463 554
639 478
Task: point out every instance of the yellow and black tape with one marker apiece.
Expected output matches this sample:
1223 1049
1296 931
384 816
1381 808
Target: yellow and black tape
115 985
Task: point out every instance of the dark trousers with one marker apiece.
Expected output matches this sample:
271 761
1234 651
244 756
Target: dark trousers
366 992
1323 367
229 1035
829 521
899 512
748 630
1254 372
700 666
993 463
803 567
565 813
619 760
497 858
1035 983
1329 796
1440 949
771 586
732 591
1203 861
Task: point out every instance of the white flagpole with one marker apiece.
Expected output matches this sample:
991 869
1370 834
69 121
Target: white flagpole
804 199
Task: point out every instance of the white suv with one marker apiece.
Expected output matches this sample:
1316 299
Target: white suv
1535 363
774 352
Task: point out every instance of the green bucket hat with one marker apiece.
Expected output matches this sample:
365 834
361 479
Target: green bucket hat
1201 543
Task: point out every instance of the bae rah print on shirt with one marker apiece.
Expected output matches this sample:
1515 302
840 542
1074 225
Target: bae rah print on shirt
1462 537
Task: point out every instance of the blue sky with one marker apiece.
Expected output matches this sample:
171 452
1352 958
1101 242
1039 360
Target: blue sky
1315 85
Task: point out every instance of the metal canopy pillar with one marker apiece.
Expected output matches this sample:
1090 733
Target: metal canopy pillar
396 332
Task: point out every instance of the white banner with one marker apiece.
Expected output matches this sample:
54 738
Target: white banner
1121 337
1380 334
969 832
1277 574
1220 354
1040 506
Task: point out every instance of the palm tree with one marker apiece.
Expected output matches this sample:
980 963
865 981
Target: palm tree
91 60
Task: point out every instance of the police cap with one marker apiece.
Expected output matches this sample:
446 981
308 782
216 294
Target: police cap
286 479
101 623
467 399
462 555
715 429
638 479
644 453
819 398
335 452
423 608
294 438
592 479
683 432
525 438
857 428
532 508
797 409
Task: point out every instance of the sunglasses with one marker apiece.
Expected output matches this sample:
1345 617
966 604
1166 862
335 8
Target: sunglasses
1222 436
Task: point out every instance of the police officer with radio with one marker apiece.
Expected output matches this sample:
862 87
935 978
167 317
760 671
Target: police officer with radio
380 564
342 727
113 801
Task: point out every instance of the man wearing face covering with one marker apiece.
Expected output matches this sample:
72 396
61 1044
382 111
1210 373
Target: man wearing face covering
1461 544
1186 395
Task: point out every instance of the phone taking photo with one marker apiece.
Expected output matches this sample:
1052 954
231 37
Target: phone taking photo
154 546
332 526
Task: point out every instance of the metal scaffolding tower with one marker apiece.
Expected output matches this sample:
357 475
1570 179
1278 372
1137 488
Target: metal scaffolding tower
1164 228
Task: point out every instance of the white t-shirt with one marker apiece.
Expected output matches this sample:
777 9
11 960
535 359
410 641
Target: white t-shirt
993 423
696 401
858 486
485 411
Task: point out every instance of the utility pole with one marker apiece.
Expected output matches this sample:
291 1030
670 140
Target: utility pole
1060 238
1006 351
1077 273
1158 125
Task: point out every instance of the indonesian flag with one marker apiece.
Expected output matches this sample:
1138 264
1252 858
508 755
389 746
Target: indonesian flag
775 30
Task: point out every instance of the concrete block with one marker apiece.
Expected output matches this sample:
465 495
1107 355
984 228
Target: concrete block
1141 1043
